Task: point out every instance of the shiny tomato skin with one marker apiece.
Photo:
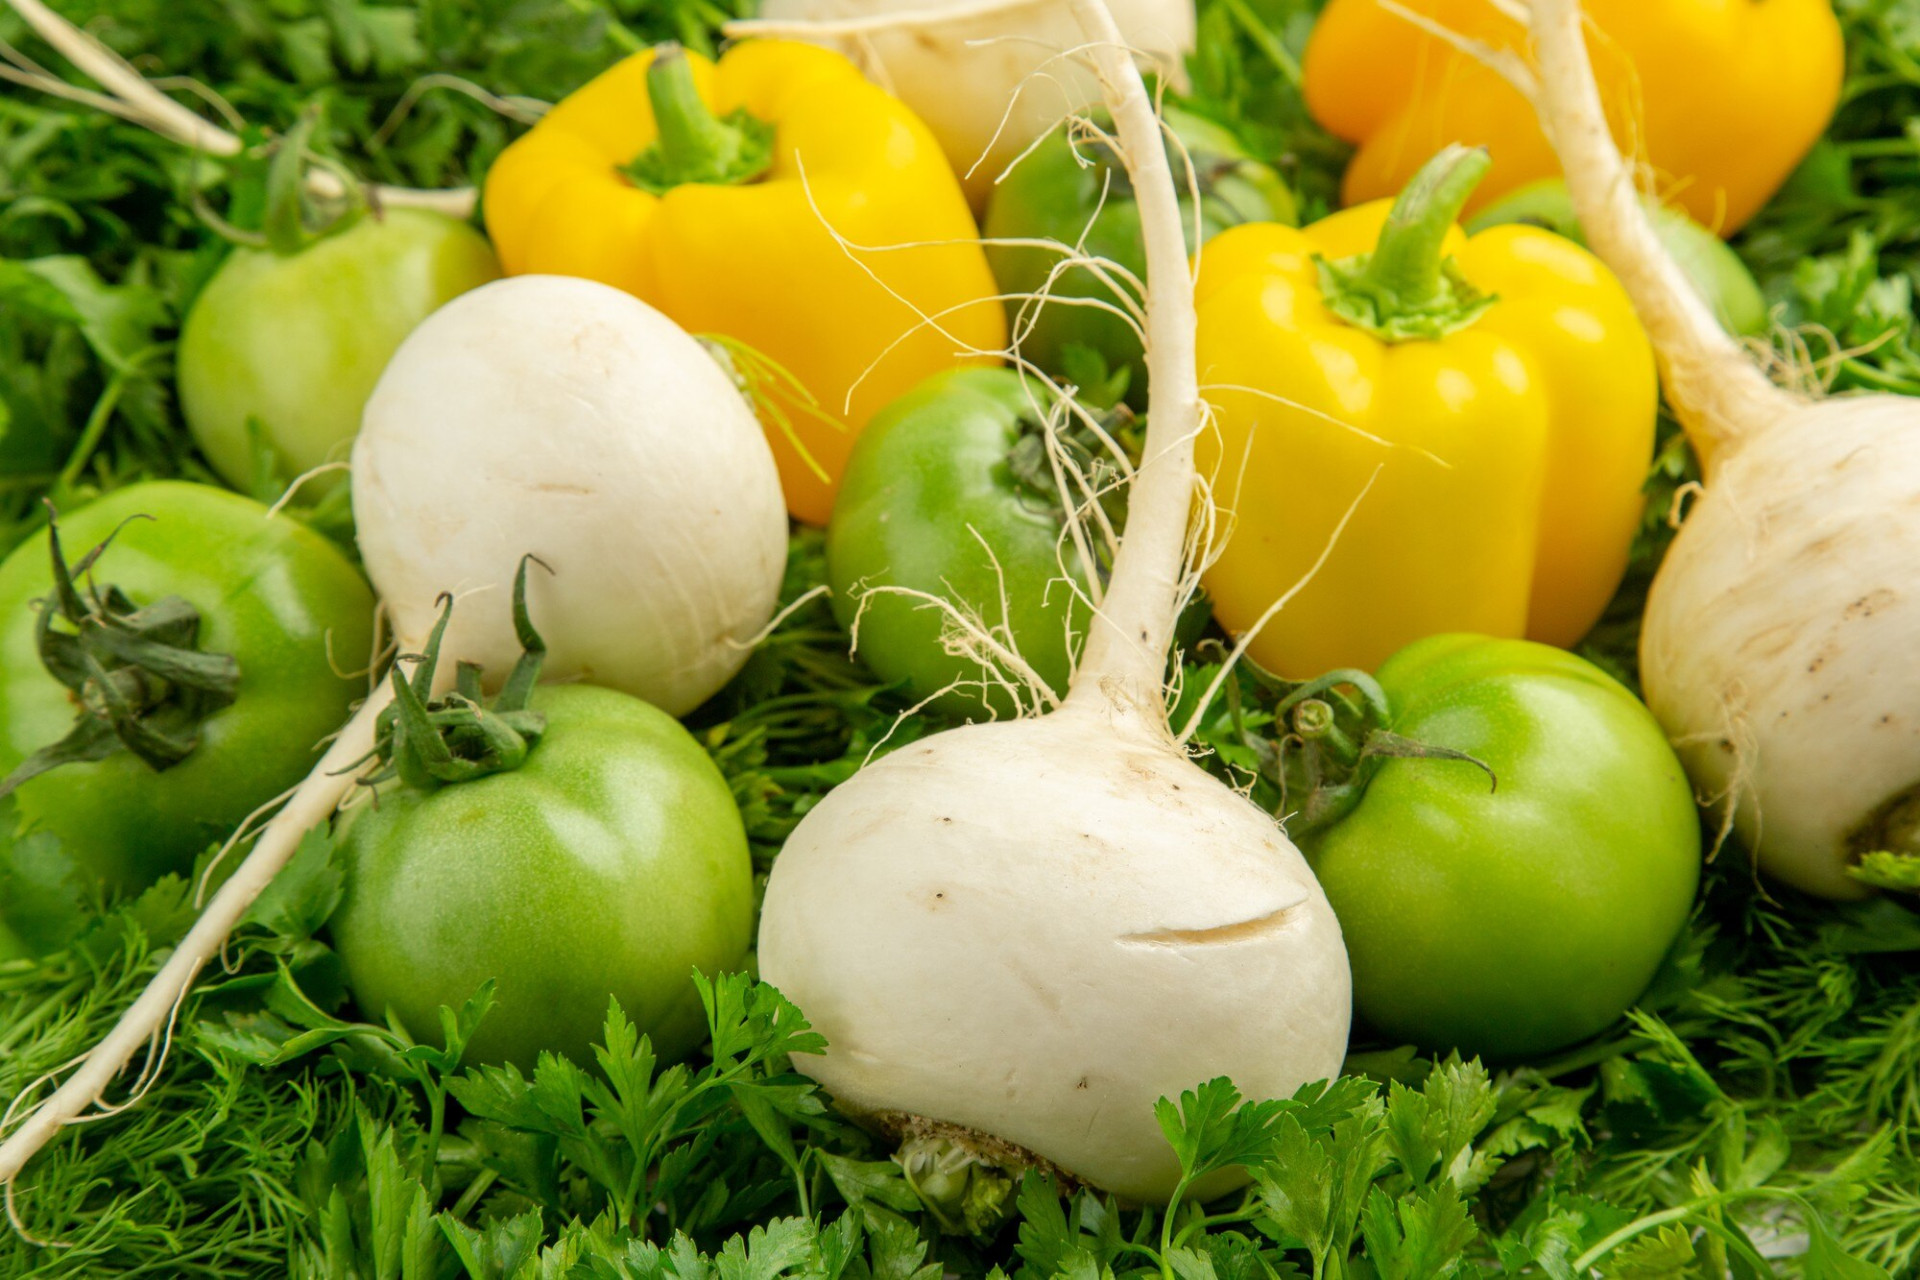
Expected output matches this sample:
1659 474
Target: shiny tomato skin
929 504
612 863
296 342
286 603
1513 921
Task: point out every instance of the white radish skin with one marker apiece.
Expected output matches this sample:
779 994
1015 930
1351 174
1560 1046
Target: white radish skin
606 442
1068 922
1777 648
1032 930
1778 644
559 417
962 76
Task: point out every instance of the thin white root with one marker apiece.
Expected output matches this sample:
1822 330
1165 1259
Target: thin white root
150 1017
1330 419
966 635
134 98
299 482
1510 66
773 624
1247 637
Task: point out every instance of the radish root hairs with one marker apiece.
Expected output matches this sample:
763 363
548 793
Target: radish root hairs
1776 647
1027 931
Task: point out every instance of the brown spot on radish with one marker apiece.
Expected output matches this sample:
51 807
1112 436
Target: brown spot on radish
1865 605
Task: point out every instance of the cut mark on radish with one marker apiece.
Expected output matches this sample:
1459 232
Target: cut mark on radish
1220 934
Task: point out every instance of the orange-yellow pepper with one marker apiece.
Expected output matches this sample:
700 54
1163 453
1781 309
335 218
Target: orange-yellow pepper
1494 398
721 220
1721 97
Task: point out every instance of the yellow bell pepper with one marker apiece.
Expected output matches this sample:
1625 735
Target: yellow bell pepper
1497 394
719 216
1721 97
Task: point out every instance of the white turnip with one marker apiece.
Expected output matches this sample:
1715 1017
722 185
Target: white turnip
556 416
1777 644
987 78
539 415
1021 934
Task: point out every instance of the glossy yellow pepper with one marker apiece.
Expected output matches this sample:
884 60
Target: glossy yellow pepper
1496 393
1721 97
720 216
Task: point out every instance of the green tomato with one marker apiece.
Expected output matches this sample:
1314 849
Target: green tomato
612 863
935 468
1715 269
295 343
1059 191
290 608
1511 921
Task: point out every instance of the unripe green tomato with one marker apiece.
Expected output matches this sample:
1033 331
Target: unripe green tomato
1716 271
1512 921
933 502
612 863
285 603
296 342
1062 192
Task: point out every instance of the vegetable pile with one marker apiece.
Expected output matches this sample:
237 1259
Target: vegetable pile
688 638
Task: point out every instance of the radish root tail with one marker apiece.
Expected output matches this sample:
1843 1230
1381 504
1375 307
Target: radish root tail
1720 395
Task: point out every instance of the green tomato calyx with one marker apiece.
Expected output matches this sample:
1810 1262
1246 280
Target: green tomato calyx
1320 742
1086 466
134 672
430 742
1406 290
694 145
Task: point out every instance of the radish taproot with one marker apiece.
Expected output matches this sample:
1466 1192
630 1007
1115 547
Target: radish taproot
1776 645
536 415
1019 935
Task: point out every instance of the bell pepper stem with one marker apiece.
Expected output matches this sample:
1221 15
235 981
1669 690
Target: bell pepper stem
693 144
1406 260
1407 288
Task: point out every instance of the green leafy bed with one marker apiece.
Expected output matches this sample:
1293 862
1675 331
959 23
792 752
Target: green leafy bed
1757 1115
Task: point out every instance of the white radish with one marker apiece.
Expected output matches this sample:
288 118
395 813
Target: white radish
1777 648
562 417
988 77
540 415
1022 934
